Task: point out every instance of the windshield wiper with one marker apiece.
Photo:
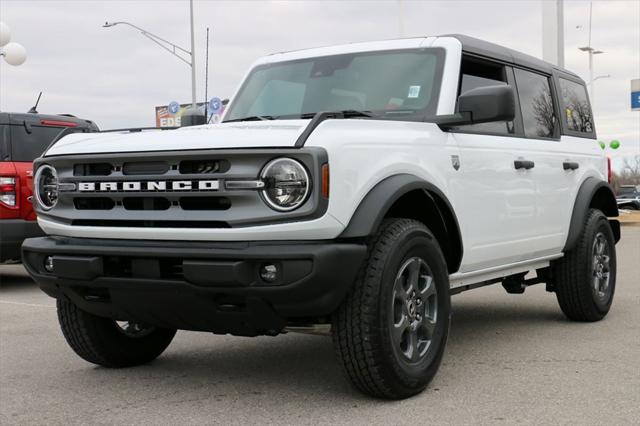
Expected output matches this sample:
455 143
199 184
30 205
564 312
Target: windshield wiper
346 113
252 118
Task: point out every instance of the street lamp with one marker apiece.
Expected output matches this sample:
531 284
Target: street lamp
172 48
13 53
599 77
591 51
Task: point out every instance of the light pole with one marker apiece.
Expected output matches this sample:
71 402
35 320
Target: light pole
172 48
591 51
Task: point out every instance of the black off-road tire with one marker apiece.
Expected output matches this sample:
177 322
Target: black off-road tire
574 273
361 335
100 340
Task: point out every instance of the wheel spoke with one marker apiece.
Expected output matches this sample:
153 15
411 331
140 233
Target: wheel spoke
412 349
414 273
399 328
429 328
430 288
399 294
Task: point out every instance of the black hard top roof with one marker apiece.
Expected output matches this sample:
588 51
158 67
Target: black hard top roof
490 50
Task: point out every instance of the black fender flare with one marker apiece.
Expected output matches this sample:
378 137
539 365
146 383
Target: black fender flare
375 205
590 188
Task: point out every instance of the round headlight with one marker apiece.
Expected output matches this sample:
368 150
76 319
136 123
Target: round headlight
46 187
286 184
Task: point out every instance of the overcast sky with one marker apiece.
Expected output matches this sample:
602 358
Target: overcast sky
116 77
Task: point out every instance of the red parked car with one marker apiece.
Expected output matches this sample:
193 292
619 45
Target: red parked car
23 138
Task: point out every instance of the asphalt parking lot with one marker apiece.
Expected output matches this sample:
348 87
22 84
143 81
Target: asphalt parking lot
510 359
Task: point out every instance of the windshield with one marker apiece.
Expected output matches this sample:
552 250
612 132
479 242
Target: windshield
403 84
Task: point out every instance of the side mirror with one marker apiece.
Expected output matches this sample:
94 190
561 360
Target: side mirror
490 103
482 105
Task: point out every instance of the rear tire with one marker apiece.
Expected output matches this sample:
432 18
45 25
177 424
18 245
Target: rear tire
585 278
105 342
391 331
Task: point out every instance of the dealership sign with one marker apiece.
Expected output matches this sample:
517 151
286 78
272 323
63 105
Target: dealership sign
171 115
635 94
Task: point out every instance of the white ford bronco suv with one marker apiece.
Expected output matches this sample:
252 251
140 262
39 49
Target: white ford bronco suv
351 188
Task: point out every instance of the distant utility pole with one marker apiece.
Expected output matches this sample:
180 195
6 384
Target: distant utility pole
193 60
553 31
172 48
591 51
400 18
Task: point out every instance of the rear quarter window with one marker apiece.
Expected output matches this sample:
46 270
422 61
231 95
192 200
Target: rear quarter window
577 114
27 146
536 104
5 154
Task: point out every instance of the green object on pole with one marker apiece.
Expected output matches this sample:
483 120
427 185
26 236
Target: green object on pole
615 144
602 144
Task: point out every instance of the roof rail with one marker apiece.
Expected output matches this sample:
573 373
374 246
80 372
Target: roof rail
137 129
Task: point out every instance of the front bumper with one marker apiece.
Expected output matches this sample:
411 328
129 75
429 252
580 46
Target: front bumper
12 233
214 286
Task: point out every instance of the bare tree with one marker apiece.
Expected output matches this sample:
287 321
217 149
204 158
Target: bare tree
581 117
544 114
631 170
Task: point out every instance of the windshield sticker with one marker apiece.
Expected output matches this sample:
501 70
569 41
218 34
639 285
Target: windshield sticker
414 92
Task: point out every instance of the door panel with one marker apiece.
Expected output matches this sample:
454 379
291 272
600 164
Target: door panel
497 203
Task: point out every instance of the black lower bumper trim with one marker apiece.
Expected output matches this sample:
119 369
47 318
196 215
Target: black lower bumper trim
197 286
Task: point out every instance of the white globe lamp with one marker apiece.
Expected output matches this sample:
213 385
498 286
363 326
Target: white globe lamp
14 54
5 34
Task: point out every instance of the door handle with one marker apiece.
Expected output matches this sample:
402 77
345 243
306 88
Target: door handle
524 164
570 165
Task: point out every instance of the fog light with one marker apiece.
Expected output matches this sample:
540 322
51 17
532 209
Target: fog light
48 263
269 273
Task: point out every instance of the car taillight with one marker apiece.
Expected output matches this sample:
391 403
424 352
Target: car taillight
609 173
8 191
58 123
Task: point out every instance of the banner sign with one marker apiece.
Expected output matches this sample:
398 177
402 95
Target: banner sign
635 94
170 115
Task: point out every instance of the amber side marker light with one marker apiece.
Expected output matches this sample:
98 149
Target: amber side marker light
324 188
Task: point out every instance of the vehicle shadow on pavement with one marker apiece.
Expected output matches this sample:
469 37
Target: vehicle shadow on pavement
216 367
14 280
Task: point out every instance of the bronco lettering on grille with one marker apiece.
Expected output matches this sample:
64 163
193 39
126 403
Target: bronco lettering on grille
149 186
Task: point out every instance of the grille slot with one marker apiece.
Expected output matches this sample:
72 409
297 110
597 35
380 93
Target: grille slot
203 166
101 203
151 223
205 203
92 169
146 203
145 168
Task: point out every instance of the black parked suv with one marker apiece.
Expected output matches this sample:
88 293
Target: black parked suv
628 197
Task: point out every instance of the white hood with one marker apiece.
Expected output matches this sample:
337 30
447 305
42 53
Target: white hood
251 134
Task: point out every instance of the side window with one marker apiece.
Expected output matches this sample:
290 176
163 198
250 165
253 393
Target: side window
577 111
29 146
536 103
5 149
476 73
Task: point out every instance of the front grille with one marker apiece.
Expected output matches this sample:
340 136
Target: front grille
173 189
92 169
145 168
101 203
203 166
146 203
205 203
